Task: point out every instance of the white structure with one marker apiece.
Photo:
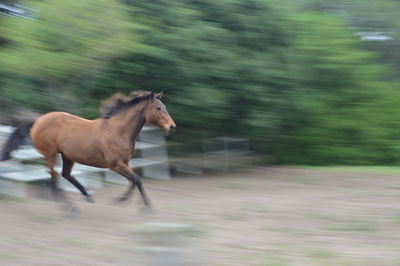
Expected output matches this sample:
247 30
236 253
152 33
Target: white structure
373 36
17 11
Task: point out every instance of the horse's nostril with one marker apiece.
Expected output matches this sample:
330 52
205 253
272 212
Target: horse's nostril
172 127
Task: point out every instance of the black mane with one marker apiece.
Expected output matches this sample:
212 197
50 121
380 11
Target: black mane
120 102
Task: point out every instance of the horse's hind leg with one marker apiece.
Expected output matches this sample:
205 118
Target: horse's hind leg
66 173
57 193
50 162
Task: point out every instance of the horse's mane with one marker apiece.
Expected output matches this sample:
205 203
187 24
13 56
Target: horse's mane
119 102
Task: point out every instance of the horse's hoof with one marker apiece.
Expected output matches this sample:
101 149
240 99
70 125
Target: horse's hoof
90 199
122 199
74 210
147 209
70 209
119 200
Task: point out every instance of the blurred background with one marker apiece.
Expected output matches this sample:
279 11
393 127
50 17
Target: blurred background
305 82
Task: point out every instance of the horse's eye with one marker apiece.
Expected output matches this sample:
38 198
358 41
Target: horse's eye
159 108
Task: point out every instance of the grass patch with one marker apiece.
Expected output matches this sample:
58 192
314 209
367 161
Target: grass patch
230 185
354 225
274 261
194 231
396 219
360 169
9 257
279 229
13 199
321 254
393 187
78 243
43 219
234 216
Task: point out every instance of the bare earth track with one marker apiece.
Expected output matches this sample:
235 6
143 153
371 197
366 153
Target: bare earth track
267 216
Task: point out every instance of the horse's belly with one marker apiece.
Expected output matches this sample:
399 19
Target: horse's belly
84 154
93 162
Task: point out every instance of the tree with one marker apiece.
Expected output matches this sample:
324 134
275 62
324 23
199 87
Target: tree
56 56
343 111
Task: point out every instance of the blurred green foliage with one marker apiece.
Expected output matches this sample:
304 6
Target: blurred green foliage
295 79
51 62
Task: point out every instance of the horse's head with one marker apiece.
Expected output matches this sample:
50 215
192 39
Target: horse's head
157 115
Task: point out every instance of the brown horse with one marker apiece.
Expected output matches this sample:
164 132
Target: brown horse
106 142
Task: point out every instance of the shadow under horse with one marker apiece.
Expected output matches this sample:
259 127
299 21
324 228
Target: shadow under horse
106 142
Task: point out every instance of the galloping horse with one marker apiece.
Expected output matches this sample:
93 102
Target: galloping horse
107 142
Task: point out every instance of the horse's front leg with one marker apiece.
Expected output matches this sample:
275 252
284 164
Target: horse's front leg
123 169
128 194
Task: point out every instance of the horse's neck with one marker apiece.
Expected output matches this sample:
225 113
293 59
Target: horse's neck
130 122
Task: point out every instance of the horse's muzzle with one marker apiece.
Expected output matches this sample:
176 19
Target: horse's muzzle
168 130
172 129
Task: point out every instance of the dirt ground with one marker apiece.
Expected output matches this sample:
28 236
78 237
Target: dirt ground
273 216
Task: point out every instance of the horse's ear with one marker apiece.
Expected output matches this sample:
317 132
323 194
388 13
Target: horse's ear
159 95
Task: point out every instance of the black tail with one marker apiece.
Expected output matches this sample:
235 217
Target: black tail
16 138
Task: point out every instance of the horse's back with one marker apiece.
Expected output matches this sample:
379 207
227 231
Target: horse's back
57 121
51 129
53 118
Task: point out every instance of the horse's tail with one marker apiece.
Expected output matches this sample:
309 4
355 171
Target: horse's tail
16 138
